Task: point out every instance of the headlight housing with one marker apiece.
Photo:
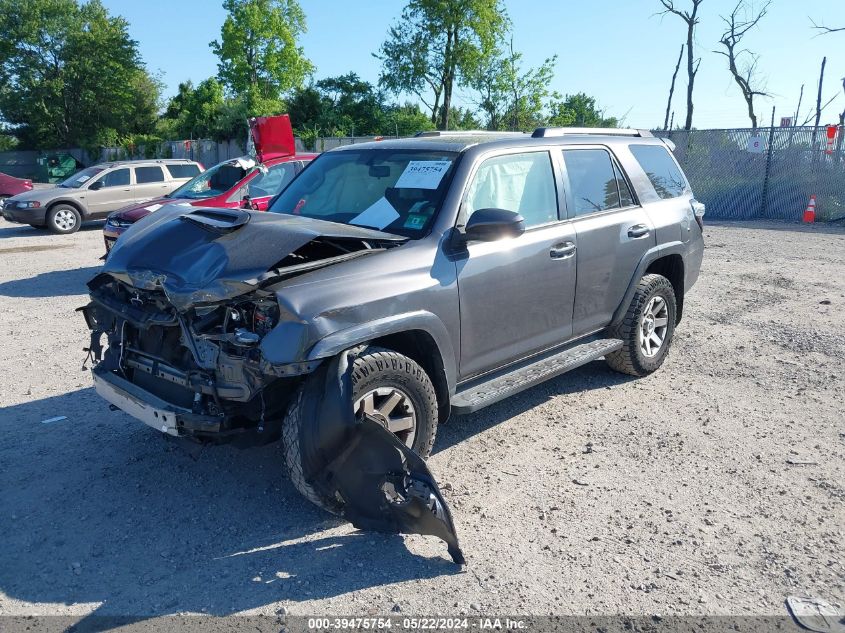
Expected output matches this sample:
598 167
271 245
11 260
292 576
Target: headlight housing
121 224
28 204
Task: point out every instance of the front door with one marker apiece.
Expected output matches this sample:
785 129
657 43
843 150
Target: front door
613 233
115 192
516 295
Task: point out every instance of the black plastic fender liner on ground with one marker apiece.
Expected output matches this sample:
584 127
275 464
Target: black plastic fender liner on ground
376 481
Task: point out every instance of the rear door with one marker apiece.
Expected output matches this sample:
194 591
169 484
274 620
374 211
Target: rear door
150 183
515 294
116 191
613 233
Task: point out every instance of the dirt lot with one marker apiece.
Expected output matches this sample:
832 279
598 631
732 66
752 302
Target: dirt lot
715 486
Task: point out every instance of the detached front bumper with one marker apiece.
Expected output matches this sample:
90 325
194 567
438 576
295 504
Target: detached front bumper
150 409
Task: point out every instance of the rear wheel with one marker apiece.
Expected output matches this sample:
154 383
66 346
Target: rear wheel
392 389
63 219
647 329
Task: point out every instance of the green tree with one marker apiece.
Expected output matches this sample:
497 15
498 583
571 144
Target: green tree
194 112
70 75
508 96
438 44
260 57
578 110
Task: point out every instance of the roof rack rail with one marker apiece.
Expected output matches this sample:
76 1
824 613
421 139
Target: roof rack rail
543 132
466 133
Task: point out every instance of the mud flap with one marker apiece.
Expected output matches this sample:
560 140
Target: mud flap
376 482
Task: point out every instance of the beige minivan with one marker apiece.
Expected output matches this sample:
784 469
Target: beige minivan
96 191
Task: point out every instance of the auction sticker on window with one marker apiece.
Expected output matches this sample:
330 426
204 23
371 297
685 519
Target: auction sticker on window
423 174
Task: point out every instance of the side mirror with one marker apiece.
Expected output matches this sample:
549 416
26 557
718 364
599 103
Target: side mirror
96 185
488 225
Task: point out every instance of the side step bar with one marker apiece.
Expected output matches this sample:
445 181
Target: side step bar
490 389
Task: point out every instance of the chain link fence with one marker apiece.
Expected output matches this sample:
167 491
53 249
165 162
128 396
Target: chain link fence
743 174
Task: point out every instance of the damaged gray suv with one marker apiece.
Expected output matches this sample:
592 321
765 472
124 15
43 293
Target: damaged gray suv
390 285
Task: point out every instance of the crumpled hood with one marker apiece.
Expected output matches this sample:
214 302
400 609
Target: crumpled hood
200 255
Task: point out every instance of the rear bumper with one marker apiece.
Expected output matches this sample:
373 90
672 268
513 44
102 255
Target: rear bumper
150 409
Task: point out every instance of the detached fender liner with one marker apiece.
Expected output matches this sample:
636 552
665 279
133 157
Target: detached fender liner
374 480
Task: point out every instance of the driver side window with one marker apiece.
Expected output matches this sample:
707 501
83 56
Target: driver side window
523 183
116 178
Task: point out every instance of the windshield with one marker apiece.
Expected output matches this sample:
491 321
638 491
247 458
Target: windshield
80 178
213 182
397 191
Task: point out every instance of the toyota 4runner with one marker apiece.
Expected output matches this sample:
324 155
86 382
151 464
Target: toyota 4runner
391 284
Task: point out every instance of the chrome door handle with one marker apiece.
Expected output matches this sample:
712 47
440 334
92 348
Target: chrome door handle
637 231
562 251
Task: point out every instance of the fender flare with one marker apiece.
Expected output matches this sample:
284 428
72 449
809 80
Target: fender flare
83 210
336 342
650 256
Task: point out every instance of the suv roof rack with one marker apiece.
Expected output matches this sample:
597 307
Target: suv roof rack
466 133
543 132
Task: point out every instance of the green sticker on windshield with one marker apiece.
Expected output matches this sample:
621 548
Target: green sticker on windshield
415 221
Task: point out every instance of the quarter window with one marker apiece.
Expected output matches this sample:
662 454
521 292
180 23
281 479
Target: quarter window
148 174
661 169
626 198
523 183
593 180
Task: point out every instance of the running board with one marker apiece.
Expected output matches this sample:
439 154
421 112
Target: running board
477 395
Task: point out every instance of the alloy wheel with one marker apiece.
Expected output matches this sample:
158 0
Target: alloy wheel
393 409
653 326
65 219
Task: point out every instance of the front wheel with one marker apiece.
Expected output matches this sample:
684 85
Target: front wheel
63 219
388 386
647 329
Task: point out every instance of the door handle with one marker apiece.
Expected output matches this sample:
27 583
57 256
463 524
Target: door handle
637 231
562 251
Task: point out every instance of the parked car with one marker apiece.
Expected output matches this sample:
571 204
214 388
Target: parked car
241 182
96 191
389 285
11 186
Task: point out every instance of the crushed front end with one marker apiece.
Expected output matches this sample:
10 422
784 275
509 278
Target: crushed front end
196 373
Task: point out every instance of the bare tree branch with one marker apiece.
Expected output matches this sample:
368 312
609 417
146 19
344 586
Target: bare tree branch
824 30
737 25
672 87
690 18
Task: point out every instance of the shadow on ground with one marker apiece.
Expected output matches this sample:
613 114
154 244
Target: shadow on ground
98 508
56 283
101 509
10 229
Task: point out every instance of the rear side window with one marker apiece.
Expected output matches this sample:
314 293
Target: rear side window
523 183
661 170
148 174
593 180
183 171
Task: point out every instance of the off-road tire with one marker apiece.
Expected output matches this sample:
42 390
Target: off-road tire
381 367
630 359
57 212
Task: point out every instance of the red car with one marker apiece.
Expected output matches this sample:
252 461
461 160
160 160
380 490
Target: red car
11 186
245 182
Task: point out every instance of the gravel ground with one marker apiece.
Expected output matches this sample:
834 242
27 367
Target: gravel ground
714 486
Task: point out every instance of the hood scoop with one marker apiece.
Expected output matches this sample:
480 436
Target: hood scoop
219 221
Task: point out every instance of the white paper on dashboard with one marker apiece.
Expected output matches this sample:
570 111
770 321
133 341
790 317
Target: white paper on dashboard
154 207
378 215
423 174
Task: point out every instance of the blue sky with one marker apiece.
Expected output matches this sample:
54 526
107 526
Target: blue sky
618 51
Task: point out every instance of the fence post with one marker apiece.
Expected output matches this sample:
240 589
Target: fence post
763 208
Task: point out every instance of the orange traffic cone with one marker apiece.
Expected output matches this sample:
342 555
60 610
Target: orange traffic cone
810 211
